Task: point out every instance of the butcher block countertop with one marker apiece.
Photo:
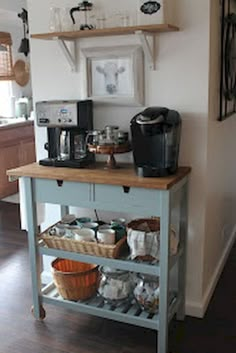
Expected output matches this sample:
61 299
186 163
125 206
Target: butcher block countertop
124 176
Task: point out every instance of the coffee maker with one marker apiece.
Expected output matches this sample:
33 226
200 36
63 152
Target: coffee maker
155 141
67 125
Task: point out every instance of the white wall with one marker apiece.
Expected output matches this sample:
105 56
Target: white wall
221 173
12 5
180 82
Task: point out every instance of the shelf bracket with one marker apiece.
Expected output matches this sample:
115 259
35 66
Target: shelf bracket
149 50
70 55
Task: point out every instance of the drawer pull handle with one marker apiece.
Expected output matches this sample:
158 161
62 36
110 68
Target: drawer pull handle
126 189
59 183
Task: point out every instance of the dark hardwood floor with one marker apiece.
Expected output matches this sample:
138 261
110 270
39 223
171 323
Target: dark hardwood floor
64 331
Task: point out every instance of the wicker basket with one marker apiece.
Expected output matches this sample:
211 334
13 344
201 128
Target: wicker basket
145 224
75 280
84 247
151 225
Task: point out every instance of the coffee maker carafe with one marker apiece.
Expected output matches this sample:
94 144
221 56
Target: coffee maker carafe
155 141
64 145
67 125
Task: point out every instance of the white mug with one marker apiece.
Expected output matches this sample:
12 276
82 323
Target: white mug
90 225
105 226
120 221
60 229
106 236
84 234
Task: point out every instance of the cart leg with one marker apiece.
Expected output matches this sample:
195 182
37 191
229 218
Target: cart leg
33 248
164 272
42 312
182 260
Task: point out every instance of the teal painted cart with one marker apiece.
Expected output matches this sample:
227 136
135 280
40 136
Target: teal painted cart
111 190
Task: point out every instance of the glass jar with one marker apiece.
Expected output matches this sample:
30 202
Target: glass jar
54 20
93 137
150 12
111 133
123 137
116 286
146 293
66 21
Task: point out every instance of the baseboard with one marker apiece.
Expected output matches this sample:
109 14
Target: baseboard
12 199
197 309
217 273
193 309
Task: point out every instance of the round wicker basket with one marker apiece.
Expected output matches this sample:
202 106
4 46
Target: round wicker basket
75 280
144 224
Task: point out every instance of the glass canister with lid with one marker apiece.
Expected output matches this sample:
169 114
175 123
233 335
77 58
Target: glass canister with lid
147 292
116 286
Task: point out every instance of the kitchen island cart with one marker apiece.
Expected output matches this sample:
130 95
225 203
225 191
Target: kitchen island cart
111 190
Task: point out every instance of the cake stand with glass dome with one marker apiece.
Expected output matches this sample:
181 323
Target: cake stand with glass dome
110 150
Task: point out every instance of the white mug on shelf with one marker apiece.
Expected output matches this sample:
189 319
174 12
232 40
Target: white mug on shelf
54 20
90 225
106 236
105 226
84 234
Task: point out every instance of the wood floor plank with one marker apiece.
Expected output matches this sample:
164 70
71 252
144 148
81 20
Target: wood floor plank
64 331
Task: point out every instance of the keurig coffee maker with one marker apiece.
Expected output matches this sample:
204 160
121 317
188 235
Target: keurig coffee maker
68 123
155 141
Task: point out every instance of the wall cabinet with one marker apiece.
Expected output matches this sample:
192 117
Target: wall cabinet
17 148
27 151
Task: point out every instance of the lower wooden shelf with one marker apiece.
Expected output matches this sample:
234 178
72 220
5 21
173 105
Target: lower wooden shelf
128 313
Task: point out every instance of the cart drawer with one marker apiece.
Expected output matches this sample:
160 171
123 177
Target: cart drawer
66 193
127 196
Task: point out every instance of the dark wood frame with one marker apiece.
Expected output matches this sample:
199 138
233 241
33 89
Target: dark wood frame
227 102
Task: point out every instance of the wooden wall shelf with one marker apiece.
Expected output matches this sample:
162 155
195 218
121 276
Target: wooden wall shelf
149 29
141 31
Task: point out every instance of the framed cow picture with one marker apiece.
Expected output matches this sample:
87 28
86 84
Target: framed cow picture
115 75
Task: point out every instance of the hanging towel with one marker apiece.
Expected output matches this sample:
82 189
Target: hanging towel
143 243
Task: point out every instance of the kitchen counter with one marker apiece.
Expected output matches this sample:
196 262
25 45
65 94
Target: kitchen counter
10 123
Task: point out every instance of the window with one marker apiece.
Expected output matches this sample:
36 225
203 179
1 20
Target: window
6 75
6 108
6 66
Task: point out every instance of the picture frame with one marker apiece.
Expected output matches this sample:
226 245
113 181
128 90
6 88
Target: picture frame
115 75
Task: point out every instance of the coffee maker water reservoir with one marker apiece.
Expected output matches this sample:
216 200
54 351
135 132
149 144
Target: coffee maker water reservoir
155 141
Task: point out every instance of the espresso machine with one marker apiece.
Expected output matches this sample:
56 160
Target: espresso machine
156 133
68 123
